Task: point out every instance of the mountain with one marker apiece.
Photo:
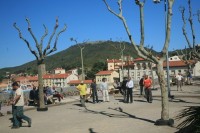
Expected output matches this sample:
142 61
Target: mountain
93 52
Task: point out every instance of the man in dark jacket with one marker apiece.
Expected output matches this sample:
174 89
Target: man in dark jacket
141 85
124 88
33 96
93 87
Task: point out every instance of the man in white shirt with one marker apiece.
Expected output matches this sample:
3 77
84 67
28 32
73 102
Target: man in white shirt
179 78
104 89
129 86
18 104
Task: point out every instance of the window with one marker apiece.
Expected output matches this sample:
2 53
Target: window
132 73
138 74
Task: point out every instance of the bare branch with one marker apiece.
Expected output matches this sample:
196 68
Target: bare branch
27 43
51 37
141 6
36 42
168 27
140 51
198 14
191 23
55 43
42 38
113 12
182 10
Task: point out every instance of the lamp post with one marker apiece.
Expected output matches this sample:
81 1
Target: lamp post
81 48
122 48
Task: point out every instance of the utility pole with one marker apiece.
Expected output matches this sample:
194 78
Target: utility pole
81 49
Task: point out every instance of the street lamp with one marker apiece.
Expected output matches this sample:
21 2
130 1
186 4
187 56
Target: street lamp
81 48
122 48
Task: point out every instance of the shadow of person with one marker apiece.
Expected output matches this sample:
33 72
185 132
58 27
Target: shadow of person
91 130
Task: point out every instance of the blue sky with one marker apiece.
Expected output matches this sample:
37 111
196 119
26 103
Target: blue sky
86 19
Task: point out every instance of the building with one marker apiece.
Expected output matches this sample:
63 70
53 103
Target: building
59 71
144 67
115 64
58 80
33 80
73 71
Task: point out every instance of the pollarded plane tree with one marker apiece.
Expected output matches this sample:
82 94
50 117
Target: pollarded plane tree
41 53
143 53
195 49
190 116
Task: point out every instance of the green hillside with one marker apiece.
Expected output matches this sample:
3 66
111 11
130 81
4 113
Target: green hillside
70 58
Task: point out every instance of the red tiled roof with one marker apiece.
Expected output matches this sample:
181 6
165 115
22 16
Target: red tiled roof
104 73
17 79
35 78
138 59
175 64
79 81
55 76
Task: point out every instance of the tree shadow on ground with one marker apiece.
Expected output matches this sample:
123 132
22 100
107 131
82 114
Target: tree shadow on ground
120 100
123 115
176 100
91 130
144 101
137 100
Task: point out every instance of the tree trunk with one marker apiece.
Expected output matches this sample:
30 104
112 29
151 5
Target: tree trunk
164 91
41 72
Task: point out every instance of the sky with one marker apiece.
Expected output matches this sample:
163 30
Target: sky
85 19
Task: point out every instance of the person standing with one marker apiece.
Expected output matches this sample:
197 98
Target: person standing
104 89
129 86
124 89
179 79
147 85
93 87
34 96
141 85
18 104
82 89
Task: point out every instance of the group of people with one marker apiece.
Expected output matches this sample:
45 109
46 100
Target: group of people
49 94
82 88
125 88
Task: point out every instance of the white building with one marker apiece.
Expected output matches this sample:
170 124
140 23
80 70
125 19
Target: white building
59 71
58 80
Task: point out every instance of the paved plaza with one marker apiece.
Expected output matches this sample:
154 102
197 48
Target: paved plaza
138 117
